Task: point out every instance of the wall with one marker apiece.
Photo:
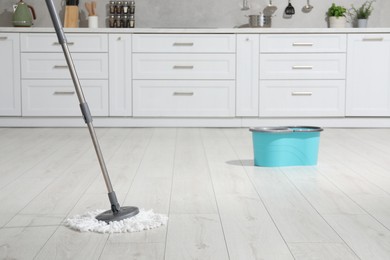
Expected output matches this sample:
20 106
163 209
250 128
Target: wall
206 13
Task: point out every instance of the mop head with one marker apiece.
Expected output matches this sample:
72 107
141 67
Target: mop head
144 220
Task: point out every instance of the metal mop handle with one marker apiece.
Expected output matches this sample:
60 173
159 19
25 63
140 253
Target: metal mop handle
83 104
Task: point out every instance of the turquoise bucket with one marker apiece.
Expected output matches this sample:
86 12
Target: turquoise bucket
286 146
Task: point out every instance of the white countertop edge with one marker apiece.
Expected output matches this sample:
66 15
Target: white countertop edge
199 30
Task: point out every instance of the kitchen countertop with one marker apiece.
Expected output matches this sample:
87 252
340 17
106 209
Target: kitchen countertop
199 30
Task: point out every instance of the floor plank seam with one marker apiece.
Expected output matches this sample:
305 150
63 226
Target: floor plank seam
315 209
214 193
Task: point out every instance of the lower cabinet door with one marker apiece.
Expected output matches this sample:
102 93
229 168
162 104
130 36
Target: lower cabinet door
59 98
183 98
302 98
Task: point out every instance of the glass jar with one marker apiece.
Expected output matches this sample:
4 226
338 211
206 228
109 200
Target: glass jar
125 7
111 21
131 21
118 19
119 7
132 7
111 7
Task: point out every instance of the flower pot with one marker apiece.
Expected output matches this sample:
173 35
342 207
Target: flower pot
337 22
362 23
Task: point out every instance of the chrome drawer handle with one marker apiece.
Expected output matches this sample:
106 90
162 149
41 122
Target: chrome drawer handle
3 38
57 43
64 92
189 67
379 39
301 93
183 93
302 44
183 44
60 66
297 67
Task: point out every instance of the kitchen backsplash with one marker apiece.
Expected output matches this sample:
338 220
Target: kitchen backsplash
205 13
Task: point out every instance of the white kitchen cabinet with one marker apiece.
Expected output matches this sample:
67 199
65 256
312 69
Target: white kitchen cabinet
53 66
368 75
184 75
47 88
77 42
184 43
10 103
247 75
302 98
302 75
58 97
183 66
120 75
184 98
303 66
303 43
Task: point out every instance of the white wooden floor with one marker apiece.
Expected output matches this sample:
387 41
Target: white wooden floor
220 206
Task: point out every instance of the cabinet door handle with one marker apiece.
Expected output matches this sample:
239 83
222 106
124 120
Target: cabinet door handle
185 67
64 93
299 67
183 93
302 44
69 43
183 44
368 39
3 38
301 93
60 66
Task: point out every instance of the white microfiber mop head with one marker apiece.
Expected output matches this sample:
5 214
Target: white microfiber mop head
144 220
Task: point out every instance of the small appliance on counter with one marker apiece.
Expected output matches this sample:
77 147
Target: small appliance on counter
121 14
23 15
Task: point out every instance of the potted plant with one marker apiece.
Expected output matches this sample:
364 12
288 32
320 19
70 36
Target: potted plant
362 13
336 15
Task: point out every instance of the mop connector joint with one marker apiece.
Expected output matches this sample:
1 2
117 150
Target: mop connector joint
86 112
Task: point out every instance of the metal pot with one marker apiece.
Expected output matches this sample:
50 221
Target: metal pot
259 20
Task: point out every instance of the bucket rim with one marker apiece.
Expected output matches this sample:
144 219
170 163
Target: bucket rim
286 129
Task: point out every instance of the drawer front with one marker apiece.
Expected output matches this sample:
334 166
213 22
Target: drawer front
53 66
302 98
177 98
183 66
48 42
303 43
58 97
188 43
302 66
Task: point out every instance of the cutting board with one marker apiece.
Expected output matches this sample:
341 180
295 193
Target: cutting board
71 16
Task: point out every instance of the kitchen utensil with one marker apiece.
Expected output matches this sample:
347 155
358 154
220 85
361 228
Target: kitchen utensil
93 4
88 6
245 5
307 8
290 10
23 15
270 9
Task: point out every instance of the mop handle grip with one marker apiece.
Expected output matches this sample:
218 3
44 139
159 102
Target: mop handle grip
56 22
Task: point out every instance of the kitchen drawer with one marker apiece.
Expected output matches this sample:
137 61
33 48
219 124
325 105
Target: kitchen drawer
58 97
206 43
302 98
302 43
183 66
183 98
48 42
303 66
53 66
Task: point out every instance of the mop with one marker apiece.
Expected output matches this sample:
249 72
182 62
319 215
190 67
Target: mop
116 219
